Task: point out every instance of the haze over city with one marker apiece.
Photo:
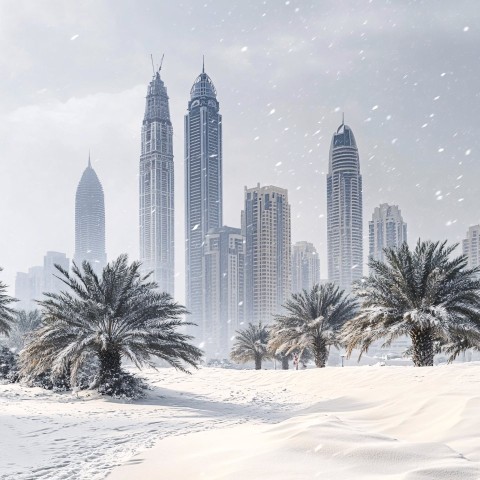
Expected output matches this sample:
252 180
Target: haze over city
76 77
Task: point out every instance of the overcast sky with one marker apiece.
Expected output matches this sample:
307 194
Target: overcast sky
73 77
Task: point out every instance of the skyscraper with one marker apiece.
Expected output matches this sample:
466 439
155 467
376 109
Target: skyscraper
305 267
30 286
224 289
344 210
386 230
52 283
471 246
90 221
157 188
267 230
203 185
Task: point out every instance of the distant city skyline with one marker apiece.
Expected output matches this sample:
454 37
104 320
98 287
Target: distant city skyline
30 285
285 72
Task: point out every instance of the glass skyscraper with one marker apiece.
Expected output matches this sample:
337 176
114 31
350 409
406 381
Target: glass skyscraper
224 289
203 188
90 221
305 267
344 210
157 188
386 230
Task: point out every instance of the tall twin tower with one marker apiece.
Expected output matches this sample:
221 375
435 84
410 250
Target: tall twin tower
203 194
203 185
157 188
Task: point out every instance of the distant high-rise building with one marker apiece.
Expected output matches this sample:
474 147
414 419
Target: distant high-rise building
52 283
90 221
305 267
386 230
344 210
471 246
23 291
157 188
203 185
224 289
31 286
267 230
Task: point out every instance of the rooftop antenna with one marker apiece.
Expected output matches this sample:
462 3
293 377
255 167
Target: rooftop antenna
153 67
203 64
161 62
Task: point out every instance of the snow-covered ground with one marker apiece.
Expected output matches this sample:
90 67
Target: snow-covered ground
334 423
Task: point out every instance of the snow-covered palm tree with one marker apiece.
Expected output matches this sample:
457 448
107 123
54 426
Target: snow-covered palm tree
6 312
251 345
312 321
25 323
422 294
118 315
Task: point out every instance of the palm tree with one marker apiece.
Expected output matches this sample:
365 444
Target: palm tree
115 316
421 294
251 345
25 324
312 320
6 313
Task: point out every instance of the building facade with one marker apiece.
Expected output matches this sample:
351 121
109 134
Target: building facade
344 210
471 246
90 221
51 281
203 188
266 225
224 289
305 267
30 286
386 230
156 188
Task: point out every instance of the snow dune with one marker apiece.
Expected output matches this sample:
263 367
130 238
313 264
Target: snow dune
334 423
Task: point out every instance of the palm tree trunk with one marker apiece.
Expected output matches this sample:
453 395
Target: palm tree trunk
422 345
320 354
110 362
258 362
284 362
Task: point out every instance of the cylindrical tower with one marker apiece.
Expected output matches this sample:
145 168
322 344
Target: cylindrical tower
90 221
344 210
203 187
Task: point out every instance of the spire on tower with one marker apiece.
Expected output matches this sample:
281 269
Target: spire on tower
343 118
89 162
203 64
153 66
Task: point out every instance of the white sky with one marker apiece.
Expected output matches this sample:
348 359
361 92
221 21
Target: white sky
73 77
